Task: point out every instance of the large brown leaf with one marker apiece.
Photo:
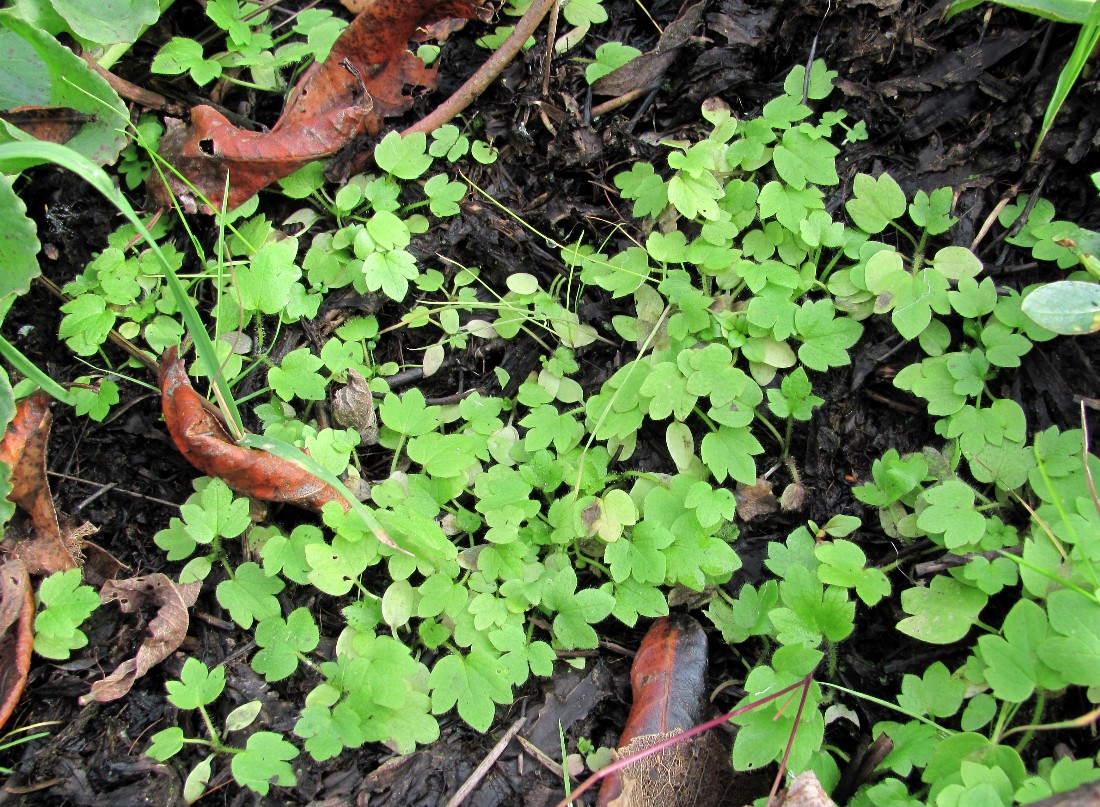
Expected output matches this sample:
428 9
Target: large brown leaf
24 449
668 683
16 634
362 81
166 630
207 446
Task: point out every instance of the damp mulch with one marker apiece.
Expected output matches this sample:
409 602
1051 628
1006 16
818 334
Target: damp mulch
954 103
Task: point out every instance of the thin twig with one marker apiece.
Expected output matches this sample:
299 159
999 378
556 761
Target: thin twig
71 478
471 784
103 489
543 758
551 35
486 74
132 92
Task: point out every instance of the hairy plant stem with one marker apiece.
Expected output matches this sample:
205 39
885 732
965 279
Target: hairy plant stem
1036 718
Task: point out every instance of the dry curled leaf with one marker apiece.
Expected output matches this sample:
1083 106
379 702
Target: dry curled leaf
353 406
24 448
755 501
166 630
362 81
16 634
805 791
206 445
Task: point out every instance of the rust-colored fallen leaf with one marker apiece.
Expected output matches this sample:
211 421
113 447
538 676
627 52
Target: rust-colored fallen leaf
668 681
57 124
24 449
362 81
207 446
166 630
16 634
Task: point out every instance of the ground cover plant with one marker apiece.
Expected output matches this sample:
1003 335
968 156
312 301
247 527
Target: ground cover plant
512 461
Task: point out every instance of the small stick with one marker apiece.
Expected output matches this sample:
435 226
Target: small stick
486 74
618 101
551 35
136 495
471 784
94 496
543 758
132 92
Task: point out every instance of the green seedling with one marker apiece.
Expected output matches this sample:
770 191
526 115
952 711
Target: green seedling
262 762
65 604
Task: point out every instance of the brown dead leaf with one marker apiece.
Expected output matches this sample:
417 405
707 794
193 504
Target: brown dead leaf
166 630
755 501
353 406
805 791
16 634
207 446
668 682
57 124
44 551
362 81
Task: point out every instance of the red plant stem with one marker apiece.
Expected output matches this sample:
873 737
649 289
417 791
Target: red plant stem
486 74
790 740
618 765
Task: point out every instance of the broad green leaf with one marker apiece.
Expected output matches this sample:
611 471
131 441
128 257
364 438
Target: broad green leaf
875 202
729 452
281 641
943 612
18 244
197 686
102 23
38 71
475 682
66 604
264 762
249 595
936 693
802 158
1075 651
1067 307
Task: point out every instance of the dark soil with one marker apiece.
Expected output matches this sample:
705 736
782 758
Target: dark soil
953 103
